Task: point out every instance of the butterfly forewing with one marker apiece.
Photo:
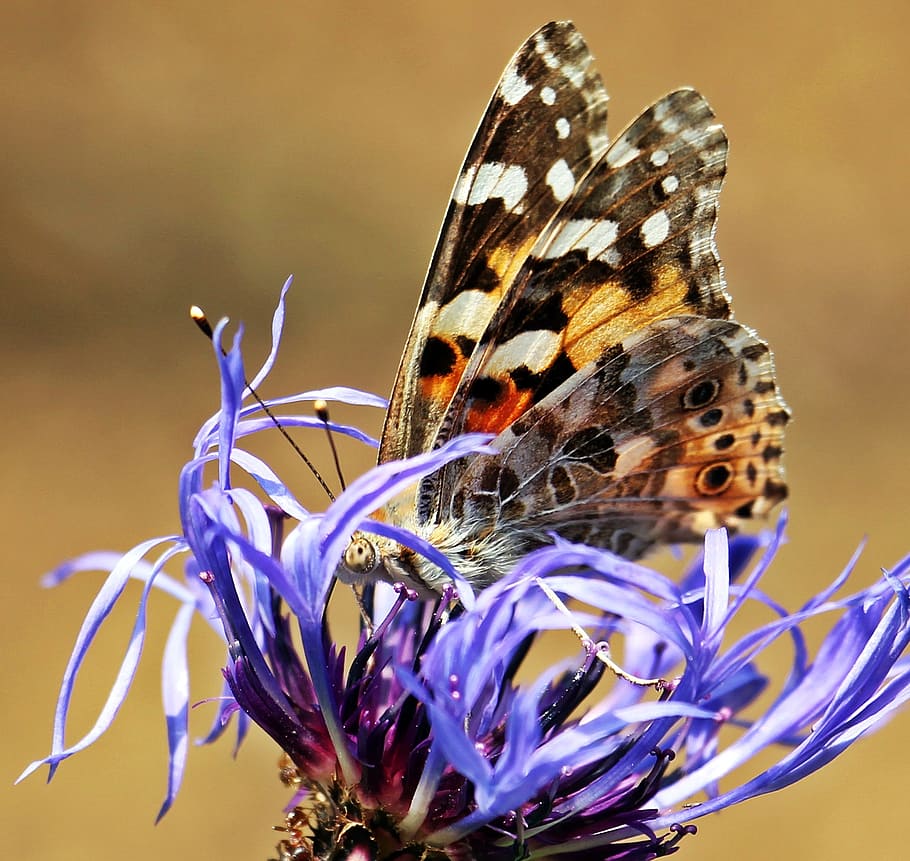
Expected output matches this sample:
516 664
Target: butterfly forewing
633 243
546 119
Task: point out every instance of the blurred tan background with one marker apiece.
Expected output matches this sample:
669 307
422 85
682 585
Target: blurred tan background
158 155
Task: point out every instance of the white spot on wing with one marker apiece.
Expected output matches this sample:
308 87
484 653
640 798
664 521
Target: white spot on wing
622 152
669 123
590 235
513 87
493 179
548 95
598 141
659 157
575 74
467 313
659 108
697 137
463 186
562 128
655 229
535 350
561 180
546 54
631 454
669 184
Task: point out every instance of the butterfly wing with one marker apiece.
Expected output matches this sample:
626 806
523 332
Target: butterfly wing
547 117
632 243
576 307
677 429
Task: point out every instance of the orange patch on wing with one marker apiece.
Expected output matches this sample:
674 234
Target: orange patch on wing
496 416
608 314
670 279
505 261
439 388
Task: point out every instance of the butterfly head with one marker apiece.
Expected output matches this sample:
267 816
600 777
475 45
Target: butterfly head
481 556
372 558
360 560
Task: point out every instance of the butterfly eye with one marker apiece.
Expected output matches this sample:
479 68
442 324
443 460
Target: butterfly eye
360 557
714 479
701 394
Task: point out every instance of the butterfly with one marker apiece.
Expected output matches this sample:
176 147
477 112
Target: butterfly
575 307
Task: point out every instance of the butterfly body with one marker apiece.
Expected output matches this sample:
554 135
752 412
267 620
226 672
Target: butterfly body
576 309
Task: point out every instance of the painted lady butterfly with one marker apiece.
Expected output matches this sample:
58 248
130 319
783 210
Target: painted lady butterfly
575 307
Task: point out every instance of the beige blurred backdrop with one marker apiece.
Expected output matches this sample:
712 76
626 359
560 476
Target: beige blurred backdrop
155 155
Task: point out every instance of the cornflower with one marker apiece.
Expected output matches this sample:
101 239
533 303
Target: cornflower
436 739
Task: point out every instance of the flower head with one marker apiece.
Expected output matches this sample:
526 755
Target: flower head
442 734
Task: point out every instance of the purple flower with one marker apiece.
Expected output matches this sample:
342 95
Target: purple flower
441 736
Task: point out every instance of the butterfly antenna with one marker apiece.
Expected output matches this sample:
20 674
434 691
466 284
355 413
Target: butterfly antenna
197 315
322 413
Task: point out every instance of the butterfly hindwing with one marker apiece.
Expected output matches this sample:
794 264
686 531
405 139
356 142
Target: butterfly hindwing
677 429
547 118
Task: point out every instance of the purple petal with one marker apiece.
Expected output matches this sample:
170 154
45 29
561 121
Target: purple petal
277 329
100 609
175 694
